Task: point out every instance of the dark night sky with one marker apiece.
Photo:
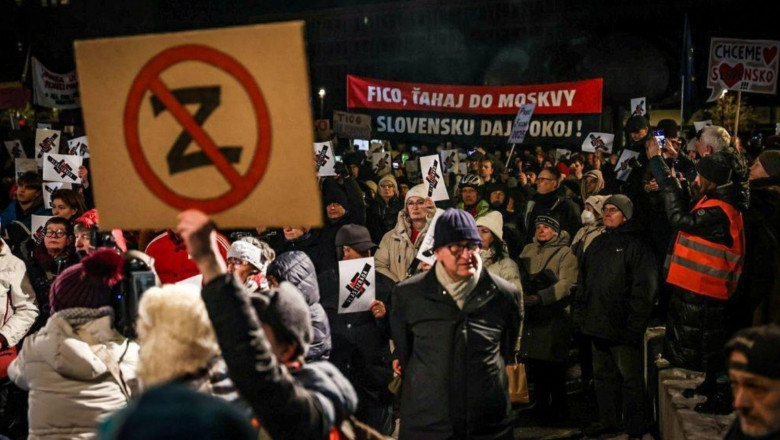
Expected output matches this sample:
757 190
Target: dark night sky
632 44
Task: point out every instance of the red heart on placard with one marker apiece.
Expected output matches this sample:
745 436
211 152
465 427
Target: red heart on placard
731 75
769 54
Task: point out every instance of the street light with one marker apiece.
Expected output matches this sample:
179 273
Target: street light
321 94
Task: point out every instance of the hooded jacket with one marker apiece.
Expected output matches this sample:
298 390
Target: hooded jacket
70 387
396 251
616 287
298 269
453 360
301 404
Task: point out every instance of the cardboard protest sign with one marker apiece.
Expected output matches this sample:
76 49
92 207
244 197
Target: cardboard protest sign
351 125
698 125
439 113
562 153
623 167
25 165
425 254
746 65
61 168
361 144
638 107
381 163
450 161
433 177
79 147
522 122
324 159
48 190
46 142
201 119
598 141
15 149
322 129
53 89
357 286
38 224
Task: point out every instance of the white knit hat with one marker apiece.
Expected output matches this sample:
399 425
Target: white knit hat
493 221
420 190
246 252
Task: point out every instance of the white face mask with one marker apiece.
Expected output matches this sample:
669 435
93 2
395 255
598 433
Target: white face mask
588 218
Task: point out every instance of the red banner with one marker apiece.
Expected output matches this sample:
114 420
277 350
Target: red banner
579 97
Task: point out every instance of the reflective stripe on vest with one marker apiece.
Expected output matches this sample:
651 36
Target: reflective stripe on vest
707 268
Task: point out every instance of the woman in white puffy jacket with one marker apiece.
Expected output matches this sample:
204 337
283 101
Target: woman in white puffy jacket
77 368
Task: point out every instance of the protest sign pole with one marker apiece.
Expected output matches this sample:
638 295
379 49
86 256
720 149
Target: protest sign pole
509 158
739 107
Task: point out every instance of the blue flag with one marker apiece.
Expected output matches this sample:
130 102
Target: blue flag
687 75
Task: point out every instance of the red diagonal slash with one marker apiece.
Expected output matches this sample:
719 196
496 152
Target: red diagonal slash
196 131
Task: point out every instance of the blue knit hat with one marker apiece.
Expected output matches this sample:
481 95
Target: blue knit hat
453 226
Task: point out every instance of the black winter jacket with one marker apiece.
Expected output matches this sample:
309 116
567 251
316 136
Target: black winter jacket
453 361
381 217
361 343
297 405
617 286
298 269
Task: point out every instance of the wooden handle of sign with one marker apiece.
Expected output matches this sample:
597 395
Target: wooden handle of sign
509 158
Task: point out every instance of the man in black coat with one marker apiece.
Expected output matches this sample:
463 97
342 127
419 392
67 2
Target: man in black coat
618 281
361 340
455 328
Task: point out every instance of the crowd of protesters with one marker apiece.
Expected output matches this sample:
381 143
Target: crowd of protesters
549 259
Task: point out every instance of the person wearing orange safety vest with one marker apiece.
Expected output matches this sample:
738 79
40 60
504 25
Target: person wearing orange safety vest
703 270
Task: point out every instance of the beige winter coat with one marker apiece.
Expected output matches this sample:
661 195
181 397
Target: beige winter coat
71 389
396 251
557 260
505 268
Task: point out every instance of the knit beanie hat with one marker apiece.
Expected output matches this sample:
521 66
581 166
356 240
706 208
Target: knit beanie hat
248 252
494 221
455 225
87 284
714 170
597 202
623 203
548 221
391 179
420 190
761 347
334 194
285 310
371 185
770 160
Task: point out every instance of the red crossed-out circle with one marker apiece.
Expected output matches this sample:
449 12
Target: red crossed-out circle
149 79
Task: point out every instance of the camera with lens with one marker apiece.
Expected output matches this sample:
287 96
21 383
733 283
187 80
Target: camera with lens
139 276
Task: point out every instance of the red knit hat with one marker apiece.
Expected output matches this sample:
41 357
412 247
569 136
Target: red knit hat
87 284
